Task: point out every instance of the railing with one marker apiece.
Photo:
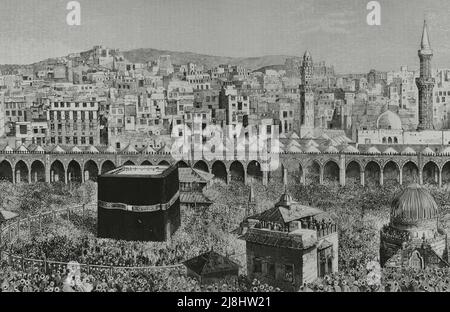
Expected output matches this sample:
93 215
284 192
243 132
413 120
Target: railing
13 231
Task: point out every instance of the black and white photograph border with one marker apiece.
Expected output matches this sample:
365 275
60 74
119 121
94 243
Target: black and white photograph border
235 146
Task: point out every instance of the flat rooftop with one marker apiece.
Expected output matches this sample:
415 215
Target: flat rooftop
139 170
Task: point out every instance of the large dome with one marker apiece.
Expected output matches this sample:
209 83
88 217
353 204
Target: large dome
389 121
413 205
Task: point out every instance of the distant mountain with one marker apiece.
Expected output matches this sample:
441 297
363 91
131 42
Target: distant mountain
179 58
270 67
252 63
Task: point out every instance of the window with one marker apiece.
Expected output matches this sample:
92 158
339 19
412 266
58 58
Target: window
75 140
118 145
59 140
289 273
91 140
271 270
23 129
257 265
83 140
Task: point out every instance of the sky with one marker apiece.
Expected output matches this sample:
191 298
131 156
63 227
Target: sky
334 31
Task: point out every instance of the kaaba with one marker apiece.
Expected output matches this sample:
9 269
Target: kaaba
139 203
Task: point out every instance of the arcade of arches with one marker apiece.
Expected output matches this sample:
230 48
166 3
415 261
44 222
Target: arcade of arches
371 172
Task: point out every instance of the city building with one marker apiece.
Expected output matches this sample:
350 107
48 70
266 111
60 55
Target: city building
290 244
236 105
74 121
306 96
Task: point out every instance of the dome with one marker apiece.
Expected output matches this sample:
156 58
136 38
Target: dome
413 205
285 201
389 121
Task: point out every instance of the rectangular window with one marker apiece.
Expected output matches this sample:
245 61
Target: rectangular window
257 265
23 129
289 273
75 140
271 270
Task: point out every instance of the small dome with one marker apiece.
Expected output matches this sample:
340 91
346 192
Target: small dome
389 121
285 201
413 205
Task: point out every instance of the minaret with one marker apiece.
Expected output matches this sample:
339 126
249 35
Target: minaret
425 83
306 95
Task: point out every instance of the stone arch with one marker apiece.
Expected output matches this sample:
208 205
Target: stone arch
313 172
74 172
219 170
372 173
254 170
37 171
384 141
164 163
107 166
182 164
21 172
331 171
237 171
90 171
430 173
57 172
391 172
353 172
446 174
129 163
146 163
6 171
389 140
395 140
201 165
410 173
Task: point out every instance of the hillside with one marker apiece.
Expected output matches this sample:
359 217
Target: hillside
146 55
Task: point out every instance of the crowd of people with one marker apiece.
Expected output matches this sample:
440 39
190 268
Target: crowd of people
103 252
389 280
37 279
360 214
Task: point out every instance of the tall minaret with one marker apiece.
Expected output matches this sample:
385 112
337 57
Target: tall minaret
306 95
425 83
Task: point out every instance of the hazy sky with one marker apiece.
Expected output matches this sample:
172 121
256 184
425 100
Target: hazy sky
333 30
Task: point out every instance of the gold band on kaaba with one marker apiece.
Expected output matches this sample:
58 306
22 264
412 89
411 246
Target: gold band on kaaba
134 208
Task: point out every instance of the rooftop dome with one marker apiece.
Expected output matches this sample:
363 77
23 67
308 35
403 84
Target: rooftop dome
413 205
389 121
285 201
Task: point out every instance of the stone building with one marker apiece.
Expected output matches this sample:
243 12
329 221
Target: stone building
74 121
290 244
413 237
306 96
212 267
